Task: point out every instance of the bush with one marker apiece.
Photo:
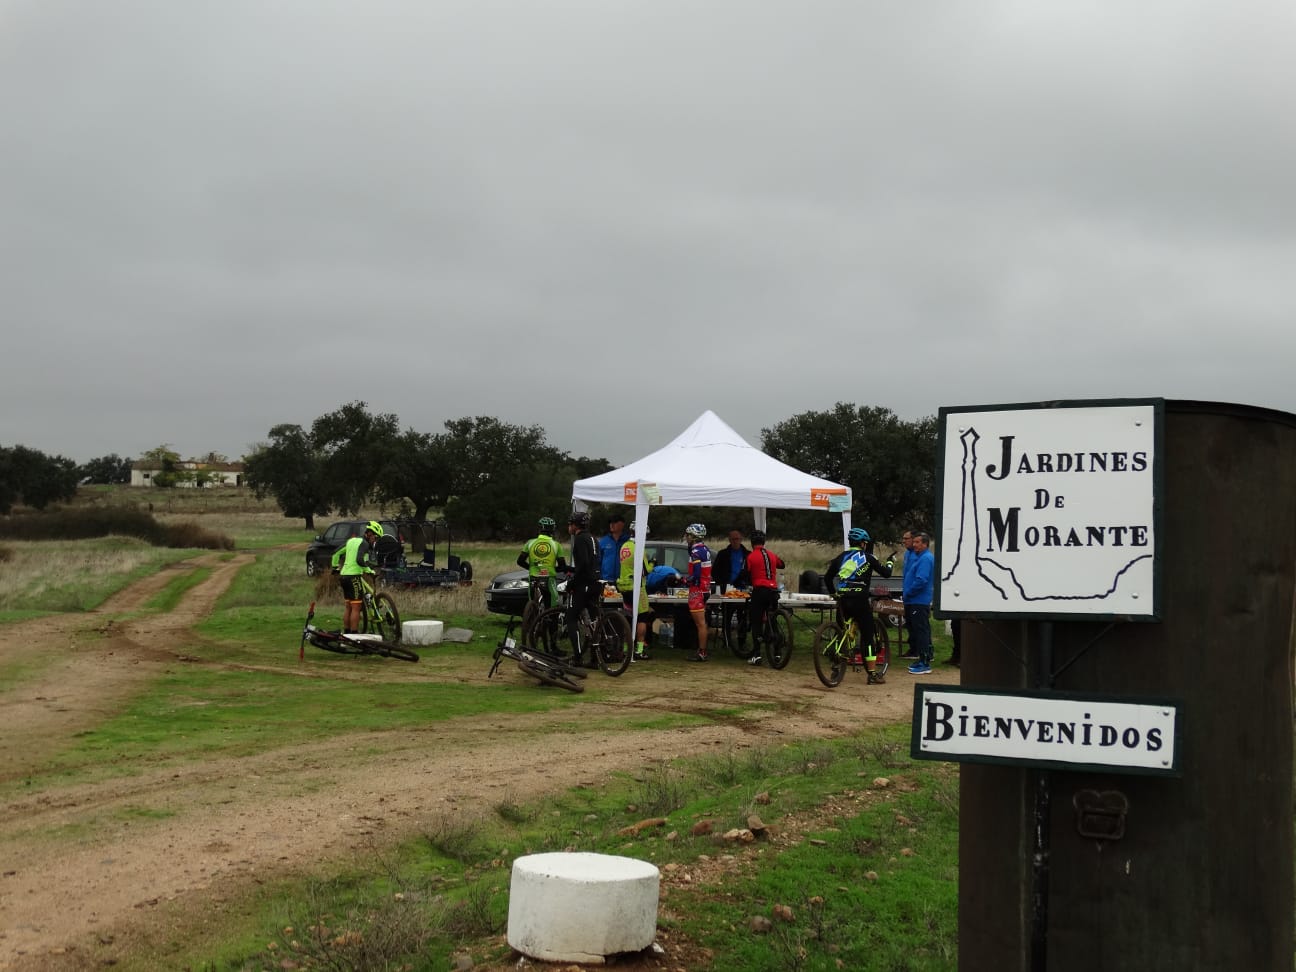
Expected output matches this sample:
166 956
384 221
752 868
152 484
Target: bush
107 521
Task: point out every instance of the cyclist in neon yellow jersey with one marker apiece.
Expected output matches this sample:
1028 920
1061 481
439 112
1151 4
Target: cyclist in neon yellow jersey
353 560
542 557
625 584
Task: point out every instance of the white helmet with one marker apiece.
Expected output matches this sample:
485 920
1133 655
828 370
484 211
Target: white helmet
695 530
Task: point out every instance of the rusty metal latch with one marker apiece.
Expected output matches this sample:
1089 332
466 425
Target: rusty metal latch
1100 816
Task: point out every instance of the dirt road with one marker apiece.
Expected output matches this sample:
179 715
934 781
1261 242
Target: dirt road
86 875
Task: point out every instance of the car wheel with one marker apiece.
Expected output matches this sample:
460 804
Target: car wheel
312 568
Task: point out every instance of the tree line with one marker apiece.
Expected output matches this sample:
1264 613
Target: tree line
492 481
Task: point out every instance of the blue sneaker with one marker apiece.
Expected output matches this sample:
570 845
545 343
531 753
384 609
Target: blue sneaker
918 668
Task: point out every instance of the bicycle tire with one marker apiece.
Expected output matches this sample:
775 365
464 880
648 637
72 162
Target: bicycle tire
549 633
881 647
338 645
611 643
829 664
388 623
778 646
388 650
530 612
551 676
735 629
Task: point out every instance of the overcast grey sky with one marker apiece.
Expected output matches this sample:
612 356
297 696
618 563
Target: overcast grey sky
605 217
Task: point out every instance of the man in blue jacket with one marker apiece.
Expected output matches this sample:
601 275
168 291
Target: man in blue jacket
919 585
609 548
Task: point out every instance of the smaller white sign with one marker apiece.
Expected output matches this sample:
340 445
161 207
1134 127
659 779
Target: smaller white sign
1045 729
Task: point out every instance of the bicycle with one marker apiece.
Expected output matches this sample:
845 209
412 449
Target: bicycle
609 637
545 667
837 645
776 637
345 644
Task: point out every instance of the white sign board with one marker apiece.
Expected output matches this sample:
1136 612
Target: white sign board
1038 729
1049 511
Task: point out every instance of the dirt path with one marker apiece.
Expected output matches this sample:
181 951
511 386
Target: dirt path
67 902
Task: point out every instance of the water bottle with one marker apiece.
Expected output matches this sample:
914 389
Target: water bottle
666 634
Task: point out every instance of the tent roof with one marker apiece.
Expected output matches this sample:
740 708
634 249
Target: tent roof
709 464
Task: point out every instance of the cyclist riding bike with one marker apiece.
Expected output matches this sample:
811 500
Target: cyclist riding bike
542 557
854 573
353 561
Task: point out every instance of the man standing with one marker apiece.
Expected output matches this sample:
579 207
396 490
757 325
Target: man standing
910 558
585 585
699 583
625 585
353 561
762 568
609 548
919 585
542 559
729 570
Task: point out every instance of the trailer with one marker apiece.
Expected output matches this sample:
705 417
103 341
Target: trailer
396 570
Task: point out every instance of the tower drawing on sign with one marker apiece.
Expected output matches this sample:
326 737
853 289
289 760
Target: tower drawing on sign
998 572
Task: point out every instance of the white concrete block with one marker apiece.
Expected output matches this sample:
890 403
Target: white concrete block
422 632
582 907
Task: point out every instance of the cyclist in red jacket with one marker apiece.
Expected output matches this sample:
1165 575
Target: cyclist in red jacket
763 566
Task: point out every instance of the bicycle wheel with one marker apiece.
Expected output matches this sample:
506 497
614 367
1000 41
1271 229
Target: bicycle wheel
551 675
830 666
548 633
529 615
881 647
611 642
389 624
778 646
736 635
388 650
335 642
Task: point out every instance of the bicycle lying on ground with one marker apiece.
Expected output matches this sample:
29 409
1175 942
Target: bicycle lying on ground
548 668
345 644
838 646
608 636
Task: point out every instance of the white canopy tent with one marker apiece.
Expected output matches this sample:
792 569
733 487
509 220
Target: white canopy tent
709 464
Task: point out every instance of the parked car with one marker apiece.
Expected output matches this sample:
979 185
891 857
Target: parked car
507 592
320 553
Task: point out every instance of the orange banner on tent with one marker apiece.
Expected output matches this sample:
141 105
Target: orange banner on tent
631 492
822 499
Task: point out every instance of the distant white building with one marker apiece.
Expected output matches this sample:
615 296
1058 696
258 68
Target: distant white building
216 473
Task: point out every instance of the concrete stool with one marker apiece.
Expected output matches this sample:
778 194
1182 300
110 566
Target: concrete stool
581 907
422 632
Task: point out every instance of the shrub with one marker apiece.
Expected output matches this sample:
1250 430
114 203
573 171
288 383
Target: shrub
109 521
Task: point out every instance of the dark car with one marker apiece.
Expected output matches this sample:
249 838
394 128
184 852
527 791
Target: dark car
320 553
507 593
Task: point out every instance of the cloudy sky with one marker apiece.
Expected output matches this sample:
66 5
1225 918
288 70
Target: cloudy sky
604 217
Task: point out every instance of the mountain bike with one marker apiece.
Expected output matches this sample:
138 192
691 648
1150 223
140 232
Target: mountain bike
547 668
345 644
837 646
608 636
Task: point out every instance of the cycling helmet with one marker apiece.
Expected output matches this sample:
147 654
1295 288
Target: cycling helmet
857 534
580 518
695 530
547 524
373 526
757 536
